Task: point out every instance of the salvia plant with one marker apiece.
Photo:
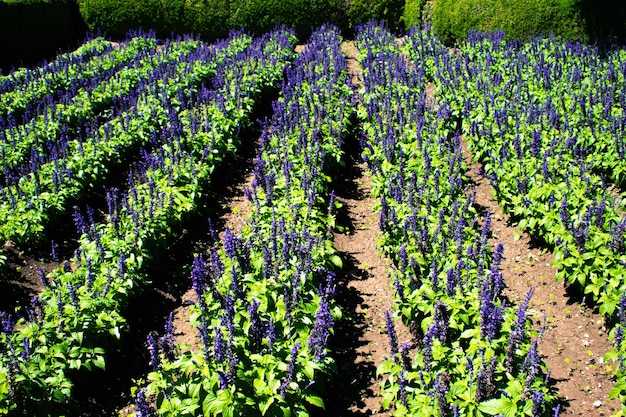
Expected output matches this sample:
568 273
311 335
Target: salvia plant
54 179
265 296
472 354
546 119
78 315
22 89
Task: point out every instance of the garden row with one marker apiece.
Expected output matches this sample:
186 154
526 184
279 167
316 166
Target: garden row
59 157
473 354
265 296
78 316
546 119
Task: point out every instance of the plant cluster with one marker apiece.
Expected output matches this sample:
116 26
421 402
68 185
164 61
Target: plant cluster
53 159
473 353
546 119
78 316
452 20
265 298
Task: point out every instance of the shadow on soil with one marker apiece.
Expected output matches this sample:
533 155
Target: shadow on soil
350 384
345 392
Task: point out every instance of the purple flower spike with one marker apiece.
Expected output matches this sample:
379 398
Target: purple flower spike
290 369
153 349
391 332
321 330
142 407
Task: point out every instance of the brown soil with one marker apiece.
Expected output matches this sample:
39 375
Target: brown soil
365 296
575 338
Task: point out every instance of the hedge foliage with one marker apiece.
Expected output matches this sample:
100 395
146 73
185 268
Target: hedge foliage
34 29
412 13
362 11
209 18
570 19
261 16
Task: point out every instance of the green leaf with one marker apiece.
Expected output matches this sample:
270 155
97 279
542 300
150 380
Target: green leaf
265 405
99 362
336 260
509 408
315 400
491 407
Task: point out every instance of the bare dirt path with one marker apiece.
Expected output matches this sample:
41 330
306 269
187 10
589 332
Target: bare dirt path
361 340
575 339
365 295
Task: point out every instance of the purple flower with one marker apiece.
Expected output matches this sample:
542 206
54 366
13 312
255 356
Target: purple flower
290 369
518 332
142 407
441 388
402 382
90 275
167 341
485 379
54 252
79 221
204 336
321 330
43 278
391 333
230 244
491 314
497 256
198 276
564 213
257 328
121 266
538 400
404 354
26 352
73 296
219 345
531 363
271 335
153 350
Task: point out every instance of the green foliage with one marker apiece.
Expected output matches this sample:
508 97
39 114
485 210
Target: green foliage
208 18
116 17
412 14
452 19
262 15
362 11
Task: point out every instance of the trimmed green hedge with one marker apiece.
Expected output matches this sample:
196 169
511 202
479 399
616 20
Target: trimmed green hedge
260 16
208 18
33 29
412 14
452 19
362 11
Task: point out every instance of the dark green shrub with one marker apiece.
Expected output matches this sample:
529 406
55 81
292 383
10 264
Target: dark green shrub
518 18
362 11
261 16
117 17
209 18
412 14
